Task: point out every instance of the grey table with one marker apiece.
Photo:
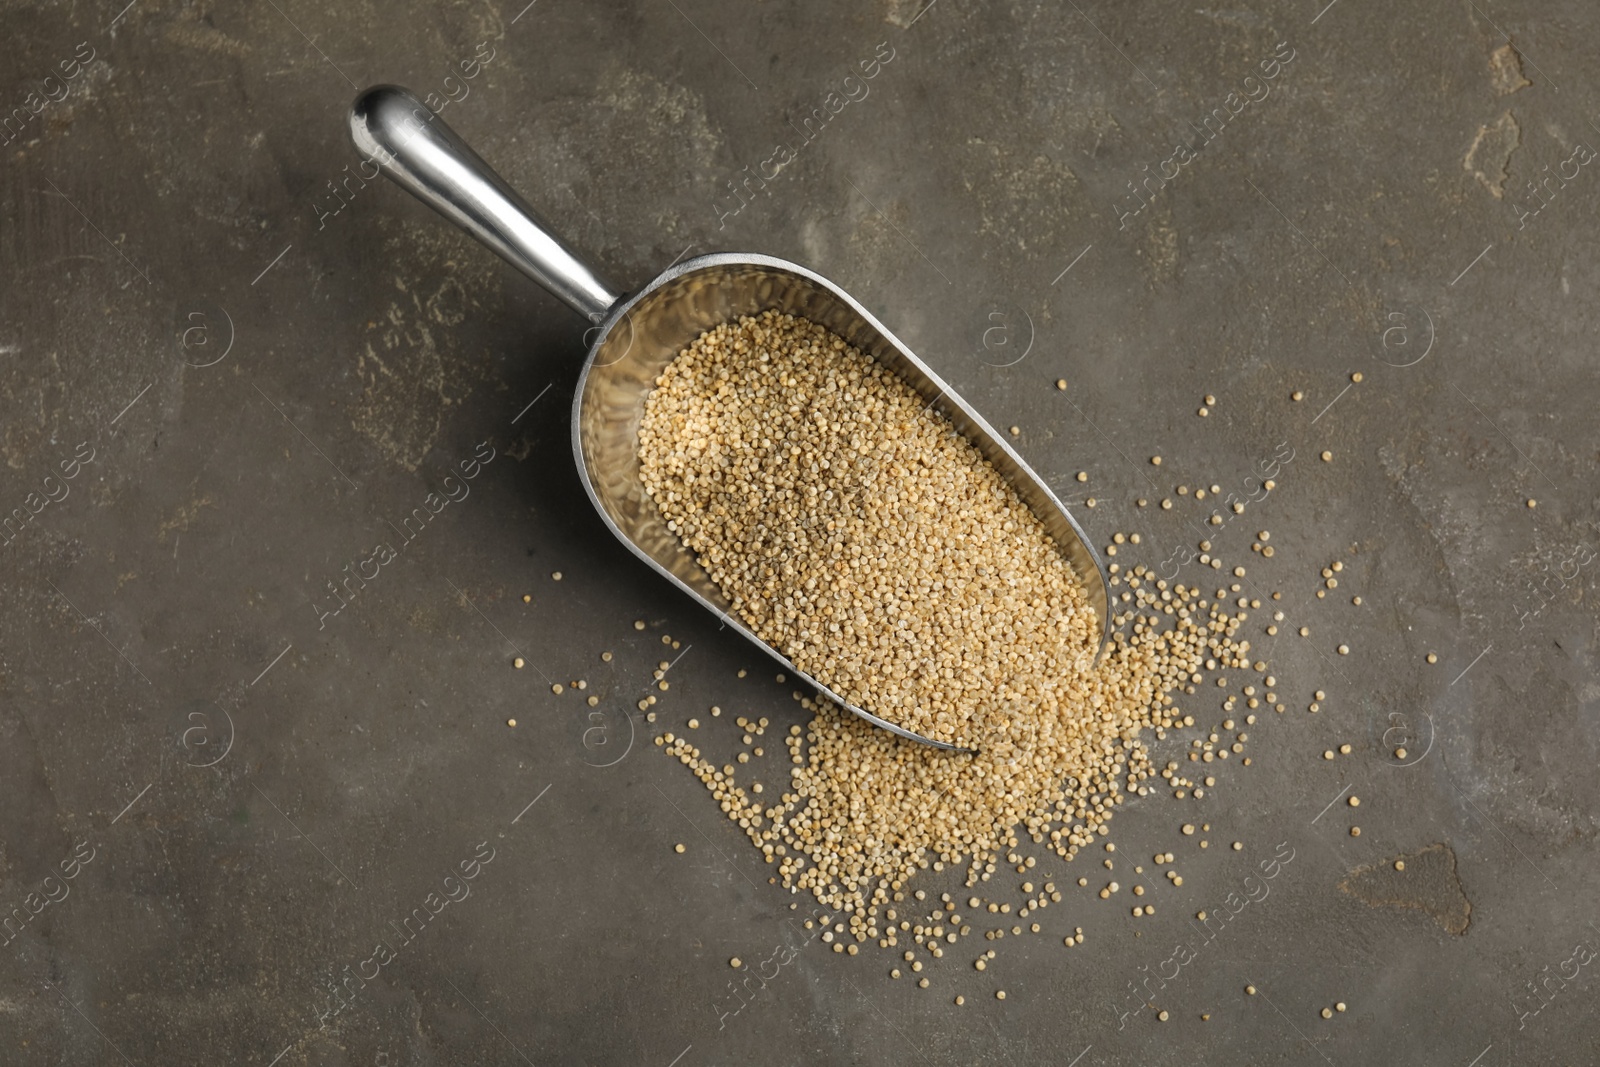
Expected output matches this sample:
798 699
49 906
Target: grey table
234 366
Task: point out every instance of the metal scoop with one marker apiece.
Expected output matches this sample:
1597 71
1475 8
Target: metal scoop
633 338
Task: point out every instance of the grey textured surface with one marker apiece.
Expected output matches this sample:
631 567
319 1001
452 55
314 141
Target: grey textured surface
261 790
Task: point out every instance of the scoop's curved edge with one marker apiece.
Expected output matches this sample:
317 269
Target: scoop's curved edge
620 312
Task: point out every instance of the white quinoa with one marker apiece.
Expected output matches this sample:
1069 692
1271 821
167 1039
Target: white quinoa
860 534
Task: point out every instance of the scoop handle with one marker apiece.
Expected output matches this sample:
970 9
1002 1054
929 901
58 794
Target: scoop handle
422 155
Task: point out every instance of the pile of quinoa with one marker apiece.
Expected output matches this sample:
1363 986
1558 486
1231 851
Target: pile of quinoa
862 536
859 533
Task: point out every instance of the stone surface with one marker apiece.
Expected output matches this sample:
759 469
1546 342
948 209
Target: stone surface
1425 881
272 377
